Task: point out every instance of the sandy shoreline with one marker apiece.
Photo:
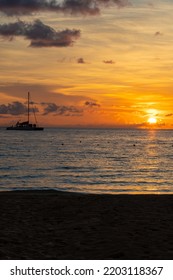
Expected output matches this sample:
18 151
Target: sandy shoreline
57 225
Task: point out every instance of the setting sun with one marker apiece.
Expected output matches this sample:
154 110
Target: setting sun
152 120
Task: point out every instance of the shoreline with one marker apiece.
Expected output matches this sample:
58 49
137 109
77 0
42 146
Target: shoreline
65 192
61 225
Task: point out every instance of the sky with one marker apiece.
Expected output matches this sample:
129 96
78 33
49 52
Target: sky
90 63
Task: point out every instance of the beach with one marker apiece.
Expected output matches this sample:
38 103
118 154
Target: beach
63 225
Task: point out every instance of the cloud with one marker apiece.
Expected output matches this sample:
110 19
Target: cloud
62 110
39 34
51 108
108 61
90 7
16 108
84 7
81 60
68 110
158 33
169 115
91 104
24 7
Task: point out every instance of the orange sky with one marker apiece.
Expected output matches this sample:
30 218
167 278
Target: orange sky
104 65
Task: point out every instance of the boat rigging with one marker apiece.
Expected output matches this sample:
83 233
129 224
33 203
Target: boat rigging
26 125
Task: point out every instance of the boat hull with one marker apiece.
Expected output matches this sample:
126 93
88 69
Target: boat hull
25 128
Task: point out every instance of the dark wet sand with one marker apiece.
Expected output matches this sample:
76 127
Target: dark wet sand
57 225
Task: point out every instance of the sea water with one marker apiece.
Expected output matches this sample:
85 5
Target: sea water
111 161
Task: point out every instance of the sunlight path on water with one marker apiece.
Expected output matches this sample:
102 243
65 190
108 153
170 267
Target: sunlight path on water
88 160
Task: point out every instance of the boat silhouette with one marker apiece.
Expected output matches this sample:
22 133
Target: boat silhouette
25 125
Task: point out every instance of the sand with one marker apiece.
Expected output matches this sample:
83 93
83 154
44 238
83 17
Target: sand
58 225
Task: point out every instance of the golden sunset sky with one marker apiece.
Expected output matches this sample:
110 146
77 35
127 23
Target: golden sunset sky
102 63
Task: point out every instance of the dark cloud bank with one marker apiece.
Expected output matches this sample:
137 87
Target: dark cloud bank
42 35
84 7
17 108
68 110
62 110
39 34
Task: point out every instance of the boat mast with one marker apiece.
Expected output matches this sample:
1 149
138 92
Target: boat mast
28 106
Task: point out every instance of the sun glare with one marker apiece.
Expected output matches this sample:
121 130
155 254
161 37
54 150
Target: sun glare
152 120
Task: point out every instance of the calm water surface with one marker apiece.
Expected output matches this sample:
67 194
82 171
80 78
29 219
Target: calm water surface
87 160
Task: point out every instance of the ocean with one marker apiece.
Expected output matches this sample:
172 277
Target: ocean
111 161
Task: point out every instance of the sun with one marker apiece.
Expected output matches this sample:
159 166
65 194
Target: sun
152 120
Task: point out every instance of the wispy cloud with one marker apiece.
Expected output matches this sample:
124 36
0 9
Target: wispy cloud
84 7
39 34
108 61
81 60
169 115
158 33
91 104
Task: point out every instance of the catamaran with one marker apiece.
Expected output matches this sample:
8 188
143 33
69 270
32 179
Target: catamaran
25 125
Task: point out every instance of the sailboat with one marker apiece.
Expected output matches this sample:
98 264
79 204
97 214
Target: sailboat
25 125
